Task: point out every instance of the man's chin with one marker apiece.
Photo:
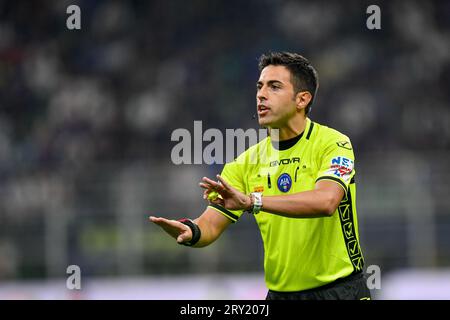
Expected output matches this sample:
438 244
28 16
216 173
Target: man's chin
264 122
268 124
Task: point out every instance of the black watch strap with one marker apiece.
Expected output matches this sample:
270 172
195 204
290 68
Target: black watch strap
196 232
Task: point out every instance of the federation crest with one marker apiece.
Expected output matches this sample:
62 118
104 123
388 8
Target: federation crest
284 182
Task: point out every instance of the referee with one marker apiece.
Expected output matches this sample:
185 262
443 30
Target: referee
299 184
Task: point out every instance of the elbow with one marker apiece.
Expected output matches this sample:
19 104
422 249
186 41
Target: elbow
328 212
330 205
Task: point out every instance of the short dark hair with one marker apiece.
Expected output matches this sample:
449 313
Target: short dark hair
303 75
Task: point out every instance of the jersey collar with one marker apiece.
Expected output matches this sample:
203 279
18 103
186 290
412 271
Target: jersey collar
286 144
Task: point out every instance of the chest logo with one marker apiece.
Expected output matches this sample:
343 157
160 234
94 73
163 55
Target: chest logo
284 182
284 161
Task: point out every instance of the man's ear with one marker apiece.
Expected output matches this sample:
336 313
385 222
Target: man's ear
302 99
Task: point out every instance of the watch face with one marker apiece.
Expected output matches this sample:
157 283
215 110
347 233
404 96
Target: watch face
257 202
284 182
257 198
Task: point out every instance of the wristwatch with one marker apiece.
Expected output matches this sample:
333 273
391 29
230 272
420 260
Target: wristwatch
256 198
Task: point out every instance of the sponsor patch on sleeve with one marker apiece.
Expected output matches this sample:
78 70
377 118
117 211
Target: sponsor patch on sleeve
341 167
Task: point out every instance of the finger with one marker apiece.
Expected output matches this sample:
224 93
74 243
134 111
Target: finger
159 221
205 186
224 183
207 191
182 238
163 222
174 228
155 219
212 183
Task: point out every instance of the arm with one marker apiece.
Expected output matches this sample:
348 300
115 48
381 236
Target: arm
320 202
211 224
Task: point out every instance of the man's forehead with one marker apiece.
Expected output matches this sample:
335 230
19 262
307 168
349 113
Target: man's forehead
271 72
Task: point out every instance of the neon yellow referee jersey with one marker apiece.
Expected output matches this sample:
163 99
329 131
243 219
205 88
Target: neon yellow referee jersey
305 253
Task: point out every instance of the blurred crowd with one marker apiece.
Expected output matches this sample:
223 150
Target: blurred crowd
86 116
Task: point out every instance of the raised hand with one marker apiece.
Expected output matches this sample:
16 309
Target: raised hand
230 198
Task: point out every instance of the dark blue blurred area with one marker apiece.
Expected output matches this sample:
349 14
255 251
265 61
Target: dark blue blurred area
86 118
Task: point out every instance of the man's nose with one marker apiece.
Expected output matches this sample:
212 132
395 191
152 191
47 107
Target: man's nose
261 95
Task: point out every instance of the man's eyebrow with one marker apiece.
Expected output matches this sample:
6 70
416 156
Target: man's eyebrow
269 82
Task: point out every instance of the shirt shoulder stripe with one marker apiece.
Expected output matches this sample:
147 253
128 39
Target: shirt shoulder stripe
310 130
342 184
224 211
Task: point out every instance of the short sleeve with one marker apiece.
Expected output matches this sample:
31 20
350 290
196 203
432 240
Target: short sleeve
337 163
233 174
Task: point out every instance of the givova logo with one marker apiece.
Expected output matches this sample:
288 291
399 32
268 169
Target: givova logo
284 161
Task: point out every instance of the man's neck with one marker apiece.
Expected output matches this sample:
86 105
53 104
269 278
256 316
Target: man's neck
291 130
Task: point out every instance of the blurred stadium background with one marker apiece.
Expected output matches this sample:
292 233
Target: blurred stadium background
86 118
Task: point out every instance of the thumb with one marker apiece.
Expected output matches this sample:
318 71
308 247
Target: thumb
183 237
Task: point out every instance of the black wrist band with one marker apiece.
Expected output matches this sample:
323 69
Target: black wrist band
196 233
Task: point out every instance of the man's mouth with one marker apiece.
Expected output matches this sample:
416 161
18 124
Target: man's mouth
263 109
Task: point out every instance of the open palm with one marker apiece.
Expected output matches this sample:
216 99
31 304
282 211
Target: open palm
176 229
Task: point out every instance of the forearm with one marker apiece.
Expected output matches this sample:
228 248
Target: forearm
307 204
208 235
211 224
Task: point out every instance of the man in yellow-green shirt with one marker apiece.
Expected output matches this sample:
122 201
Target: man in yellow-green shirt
299 183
